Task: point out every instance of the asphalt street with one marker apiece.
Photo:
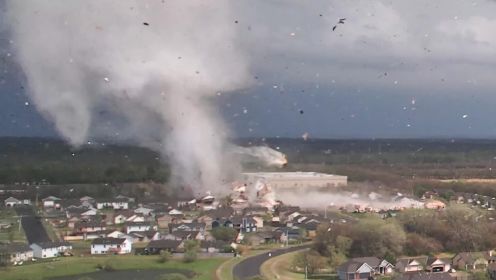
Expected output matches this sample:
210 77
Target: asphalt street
33 228
250 267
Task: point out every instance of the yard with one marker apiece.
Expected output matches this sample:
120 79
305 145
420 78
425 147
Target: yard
14 233
205 268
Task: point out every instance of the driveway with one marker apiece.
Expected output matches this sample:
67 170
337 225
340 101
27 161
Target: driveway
250 267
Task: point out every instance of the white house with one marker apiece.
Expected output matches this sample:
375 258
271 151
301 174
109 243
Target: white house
12 202
45 250
51 202
144 211
17 252
110 245
113 203
138 226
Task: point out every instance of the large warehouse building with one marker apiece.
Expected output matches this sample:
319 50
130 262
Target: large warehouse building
287 180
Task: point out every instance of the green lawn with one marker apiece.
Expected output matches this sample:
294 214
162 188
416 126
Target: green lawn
7 215
205 268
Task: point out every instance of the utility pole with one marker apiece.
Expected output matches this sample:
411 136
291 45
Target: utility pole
306 271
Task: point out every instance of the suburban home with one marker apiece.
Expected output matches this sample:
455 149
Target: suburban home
214 246
138 226
411 264
117 203
110 245
438 265
380 266
164 220
156 246
353 270
263 237
472 260
144 211
45 250
176 213
51 202
145 236
425 276
184 235
244 224
12 202
207 220
187 227
16 253
289 234
255 210
87 199
85 226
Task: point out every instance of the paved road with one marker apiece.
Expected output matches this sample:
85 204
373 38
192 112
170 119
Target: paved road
250 267
35 232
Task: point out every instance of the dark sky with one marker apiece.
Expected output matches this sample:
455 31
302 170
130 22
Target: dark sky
411 69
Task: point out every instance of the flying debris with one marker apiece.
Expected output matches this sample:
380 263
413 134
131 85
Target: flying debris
146 23
340 21
106 79
465 116
305 136
301 112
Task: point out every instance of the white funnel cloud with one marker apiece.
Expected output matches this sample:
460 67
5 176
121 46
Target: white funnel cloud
154 66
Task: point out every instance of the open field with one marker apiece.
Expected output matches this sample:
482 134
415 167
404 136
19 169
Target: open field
14 233
205 268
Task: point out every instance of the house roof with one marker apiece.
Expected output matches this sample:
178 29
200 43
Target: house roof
137 224
12 199
425 276
51 198
372 261
90 223
164 244
108 241
51 244
471 257
149 233
184 234
218 244
352 266
12 248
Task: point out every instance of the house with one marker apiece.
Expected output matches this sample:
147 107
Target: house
244 224
51 202
353 270
16 252
214 246
255 210
138 226
425 276
187 227
144 211
380 266
164 220
438 265
12 202
145 236
289 234
117 203
472 260
110 245
184 235
87 199
263 237
86 226
50 249
156 246
411 264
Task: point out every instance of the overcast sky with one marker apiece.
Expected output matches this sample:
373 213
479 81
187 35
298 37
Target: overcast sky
393 69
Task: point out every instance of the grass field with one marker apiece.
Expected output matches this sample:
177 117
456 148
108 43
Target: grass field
278 268
7 216
205 268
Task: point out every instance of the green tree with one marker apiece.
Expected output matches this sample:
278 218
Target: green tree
164 257
224 233
190 250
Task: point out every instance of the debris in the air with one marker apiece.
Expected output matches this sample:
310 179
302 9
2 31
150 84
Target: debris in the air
292 34
413 101
245 111
340 21
106 79
26 103
235 21
302 112
146 23
305 136
465 116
